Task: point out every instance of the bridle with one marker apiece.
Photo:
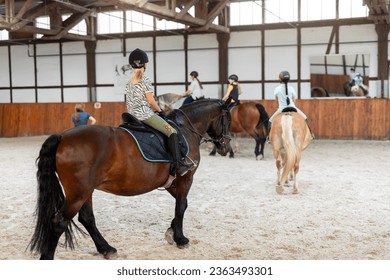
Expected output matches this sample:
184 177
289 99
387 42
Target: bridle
224 139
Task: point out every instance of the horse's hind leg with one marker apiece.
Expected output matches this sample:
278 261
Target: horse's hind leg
279 187
259 148
87 219
59 226
295 181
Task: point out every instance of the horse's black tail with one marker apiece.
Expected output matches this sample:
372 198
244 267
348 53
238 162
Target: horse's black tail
50 197
263 116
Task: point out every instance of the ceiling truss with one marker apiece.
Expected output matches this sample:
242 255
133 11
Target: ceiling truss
19 16
379 10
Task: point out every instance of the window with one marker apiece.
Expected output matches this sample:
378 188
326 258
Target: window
42 22
110 22
281 11
168 25
318 9
245 13
4 35
352 8
136 21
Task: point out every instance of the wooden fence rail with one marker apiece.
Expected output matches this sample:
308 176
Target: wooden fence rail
348 118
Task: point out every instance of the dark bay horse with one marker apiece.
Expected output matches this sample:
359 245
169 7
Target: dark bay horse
289 136
250 118
73 164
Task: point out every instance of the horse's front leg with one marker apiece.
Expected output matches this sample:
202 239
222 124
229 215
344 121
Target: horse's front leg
231 153
87 219
175 232
213 151
177 223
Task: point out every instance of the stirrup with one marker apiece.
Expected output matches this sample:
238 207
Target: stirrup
184 167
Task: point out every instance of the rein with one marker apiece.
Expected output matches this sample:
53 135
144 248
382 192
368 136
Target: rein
204 139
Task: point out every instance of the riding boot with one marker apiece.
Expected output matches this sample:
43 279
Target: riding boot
312 134
181 166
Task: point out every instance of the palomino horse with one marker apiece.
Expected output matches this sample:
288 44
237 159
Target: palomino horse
73 164
250 118
289 135
359 91
165 101
354 90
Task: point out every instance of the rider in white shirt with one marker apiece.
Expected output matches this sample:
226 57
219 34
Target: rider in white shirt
285 95
195 90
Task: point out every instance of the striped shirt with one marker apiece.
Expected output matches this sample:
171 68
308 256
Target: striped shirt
137 104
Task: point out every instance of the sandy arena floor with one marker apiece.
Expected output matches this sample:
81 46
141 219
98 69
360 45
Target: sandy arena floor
341 212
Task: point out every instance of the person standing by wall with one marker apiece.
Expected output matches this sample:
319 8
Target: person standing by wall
80 117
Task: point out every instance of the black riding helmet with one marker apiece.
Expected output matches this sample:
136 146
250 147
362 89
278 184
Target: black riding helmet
233 77
284 76
194 74
138 58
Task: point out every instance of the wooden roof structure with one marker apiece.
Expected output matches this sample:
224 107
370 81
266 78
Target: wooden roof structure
379 10
18 16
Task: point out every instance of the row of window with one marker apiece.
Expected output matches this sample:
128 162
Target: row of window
241 13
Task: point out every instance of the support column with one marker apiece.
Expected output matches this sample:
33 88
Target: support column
382 29
223 61
90 46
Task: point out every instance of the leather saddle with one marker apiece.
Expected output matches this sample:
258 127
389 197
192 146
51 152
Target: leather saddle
289 109
151 142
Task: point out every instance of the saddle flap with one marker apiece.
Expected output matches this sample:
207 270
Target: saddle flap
151 142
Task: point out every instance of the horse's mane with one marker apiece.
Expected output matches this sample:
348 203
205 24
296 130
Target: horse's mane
196 108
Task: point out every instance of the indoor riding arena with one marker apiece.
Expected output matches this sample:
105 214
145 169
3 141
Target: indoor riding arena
57 54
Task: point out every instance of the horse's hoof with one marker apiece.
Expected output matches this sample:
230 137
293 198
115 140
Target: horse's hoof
183 246
211 154
279 189
169 236
109 254
295 191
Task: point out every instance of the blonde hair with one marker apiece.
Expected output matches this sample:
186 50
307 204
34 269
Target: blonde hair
137 76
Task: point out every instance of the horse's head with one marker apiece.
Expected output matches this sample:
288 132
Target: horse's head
219 129
209 116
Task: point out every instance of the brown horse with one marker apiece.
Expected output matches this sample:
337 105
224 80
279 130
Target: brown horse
289 136
250 118
319 92
73 164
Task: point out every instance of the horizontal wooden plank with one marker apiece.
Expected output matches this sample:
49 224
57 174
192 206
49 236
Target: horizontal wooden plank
331 118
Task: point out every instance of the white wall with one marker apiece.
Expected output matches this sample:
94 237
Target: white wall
244 60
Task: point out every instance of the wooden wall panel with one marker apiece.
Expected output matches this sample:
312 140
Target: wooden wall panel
352 118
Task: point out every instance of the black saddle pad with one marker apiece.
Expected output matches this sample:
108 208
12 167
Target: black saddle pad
152 143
